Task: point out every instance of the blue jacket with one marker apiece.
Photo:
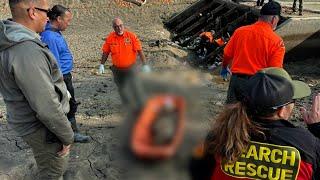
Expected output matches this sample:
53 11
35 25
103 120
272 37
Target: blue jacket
59 47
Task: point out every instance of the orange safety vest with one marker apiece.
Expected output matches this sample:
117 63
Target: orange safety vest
142 143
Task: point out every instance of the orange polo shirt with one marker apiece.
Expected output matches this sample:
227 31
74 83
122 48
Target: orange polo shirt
123 48
252 48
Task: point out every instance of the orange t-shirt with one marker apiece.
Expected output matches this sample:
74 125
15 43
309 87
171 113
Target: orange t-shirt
123 48
252 48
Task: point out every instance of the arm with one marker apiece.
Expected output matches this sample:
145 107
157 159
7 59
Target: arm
228 51
202 163
312 117
142 57
53 46
137 47
104 57
277 55
105 53
32 73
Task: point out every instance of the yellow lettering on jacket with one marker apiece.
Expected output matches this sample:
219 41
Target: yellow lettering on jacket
265 161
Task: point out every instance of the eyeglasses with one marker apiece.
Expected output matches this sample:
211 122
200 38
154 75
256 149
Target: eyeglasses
119 26
40 9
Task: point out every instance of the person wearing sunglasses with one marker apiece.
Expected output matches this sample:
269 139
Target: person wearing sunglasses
254 138
60 18
124 46
33 89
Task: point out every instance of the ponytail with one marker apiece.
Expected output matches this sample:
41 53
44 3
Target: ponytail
56 11
231 133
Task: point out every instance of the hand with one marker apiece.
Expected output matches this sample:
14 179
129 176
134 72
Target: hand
65 150
224 73
312 116
101 69
146 68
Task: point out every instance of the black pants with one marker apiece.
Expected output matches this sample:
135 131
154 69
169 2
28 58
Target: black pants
129 87
300 5
73 103
236 88
260 2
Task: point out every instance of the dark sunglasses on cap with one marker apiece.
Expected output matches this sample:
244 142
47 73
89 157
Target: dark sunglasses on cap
276 107
40 9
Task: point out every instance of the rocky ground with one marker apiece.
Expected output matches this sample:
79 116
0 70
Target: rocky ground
101 114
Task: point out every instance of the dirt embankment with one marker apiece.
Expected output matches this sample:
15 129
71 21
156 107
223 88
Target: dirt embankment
101 114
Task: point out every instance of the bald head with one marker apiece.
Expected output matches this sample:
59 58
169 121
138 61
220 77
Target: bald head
30 13
17 5
118 26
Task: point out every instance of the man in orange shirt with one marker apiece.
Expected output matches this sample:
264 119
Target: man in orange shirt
123 46
252 48
206 43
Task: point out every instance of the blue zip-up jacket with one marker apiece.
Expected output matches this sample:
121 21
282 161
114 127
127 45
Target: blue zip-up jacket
59 47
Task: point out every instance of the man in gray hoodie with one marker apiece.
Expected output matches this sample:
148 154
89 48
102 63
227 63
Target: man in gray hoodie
33 89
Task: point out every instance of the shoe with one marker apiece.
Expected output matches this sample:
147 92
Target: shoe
300 13
79 138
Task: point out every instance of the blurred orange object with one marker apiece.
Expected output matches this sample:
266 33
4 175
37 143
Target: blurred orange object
142 142
220 42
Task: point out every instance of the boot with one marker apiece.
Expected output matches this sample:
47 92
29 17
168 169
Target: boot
78 138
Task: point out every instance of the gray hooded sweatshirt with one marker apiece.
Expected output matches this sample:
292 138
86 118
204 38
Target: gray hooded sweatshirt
31 84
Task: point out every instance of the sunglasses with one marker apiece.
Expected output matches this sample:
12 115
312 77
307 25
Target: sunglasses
120 25
40 9
276 107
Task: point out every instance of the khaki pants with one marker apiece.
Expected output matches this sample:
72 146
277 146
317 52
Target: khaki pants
50 165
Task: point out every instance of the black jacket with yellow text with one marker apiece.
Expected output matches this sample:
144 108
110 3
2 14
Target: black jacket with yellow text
285 152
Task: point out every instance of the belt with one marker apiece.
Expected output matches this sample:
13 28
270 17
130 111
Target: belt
241 75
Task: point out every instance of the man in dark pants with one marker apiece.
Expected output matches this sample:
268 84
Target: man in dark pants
252 48
60 18
124 46
300 6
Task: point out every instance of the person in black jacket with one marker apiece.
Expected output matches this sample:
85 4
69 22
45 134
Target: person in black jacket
253 139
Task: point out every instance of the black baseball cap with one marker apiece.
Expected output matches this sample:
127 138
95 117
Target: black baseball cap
271 8
271 88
